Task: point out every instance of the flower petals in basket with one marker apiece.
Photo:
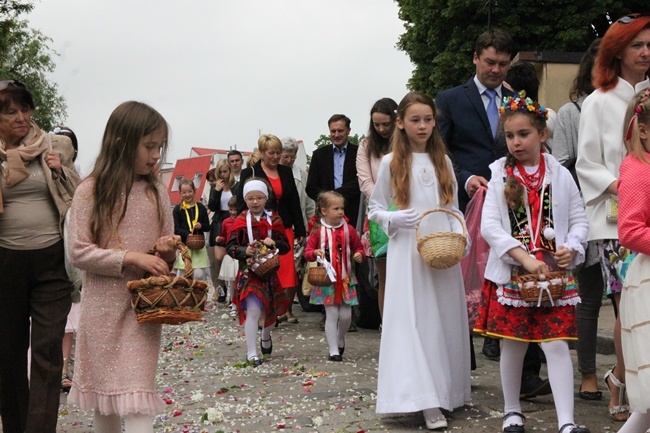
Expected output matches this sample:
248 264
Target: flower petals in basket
169 299
542 287
265 262
441 250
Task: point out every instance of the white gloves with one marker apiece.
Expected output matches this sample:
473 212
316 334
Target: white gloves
404 219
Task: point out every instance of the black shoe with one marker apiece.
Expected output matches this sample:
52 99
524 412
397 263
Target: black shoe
254 361
222 295
491 349
341 350
335 358
533 386
353 327
575 429
266 351
514 428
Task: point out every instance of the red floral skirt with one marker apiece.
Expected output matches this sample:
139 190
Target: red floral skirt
271 295
534 324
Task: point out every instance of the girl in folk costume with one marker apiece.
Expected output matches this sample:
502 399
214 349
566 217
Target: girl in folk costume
189 217
117 214
532 204
425 328
254 229
634 233
342 242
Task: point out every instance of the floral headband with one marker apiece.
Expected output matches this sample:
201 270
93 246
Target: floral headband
522 104
645 94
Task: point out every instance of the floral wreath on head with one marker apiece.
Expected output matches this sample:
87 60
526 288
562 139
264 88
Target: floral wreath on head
522 104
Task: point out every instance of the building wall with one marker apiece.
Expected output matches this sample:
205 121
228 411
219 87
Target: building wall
555 80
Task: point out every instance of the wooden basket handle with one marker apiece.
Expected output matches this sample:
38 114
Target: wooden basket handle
462 223
185 254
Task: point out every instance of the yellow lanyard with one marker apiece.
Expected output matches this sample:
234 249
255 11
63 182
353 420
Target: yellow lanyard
190 223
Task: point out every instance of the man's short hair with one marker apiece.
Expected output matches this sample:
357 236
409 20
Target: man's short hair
337 117
497 38
234 152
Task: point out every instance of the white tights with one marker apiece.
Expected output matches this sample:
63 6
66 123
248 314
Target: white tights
636 423
560 375
133 423
253 314
337 322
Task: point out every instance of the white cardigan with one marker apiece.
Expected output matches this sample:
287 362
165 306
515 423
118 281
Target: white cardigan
601 151
569 220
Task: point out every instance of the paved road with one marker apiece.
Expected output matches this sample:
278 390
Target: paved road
200 374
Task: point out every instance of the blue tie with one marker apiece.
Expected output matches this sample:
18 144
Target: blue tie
492 110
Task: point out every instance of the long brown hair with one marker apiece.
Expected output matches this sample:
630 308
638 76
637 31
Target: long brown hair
114 169
400 165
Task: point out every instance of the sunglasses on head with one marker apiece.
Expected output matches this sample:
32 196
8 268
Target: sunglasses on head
628 18
6 83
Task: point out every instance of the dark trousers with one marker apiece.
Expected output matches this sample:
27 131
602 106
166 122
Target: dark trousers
33 283
590 288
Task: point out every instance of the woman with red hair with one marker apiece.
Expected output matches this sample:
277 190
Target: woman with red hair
621 71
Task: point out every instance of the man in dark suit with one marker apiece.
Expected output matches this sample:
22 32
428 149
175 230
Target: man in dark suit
468 120
463 114
334 168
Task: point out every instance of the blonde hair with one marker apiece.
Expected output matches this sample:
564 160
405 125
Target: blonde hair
324 199
254 158
231 177
269 141
638 111
400 165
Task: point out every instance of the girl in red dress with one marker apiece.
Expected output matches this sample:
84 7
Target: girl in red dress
534 221
256 297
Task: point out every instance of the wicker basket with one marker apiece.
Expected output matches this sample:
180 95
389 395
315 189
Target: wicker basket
264 264
195 241
529 286
318 277
442 250
169 299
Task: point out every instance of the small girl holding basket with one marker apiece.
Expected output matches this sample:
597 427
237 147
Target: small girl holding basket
534 221
425 329
257 230
190 217
338 243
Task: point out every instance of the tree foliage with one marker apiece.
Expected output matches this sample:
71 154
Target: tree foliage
440 34
26 57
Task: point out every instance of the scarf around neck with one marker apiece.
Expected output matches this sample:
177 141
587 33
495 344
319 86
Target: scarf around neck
14 163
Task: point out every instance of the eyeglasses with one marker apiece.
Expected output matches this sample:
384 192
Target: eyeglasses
627 19
6 83
254 199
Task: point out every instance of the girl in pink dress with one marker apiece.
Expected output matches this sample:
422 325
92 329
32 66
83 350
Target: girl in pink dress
118 213
634 233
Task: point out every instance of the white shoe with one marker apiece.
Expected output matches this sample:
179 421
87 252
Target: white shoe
434 423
